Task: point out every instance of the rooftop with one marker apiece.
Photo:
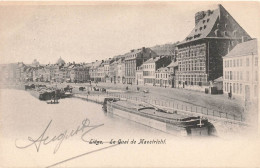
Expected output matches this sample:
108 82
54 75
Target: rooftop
152 60
216 23
242 49
173 64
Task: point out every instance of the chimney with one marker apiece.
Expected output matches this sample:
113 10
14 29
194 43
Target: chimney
244 39
198 16
143 49
209 12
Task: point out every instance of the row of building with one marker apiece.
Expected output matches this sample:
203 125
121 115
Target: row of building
218 50
59 72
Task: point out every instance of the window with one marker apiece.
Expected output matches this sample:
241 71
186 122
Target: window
238 62
255 90
225 33
227 75
256 61
256 75
240 88
225 25
241 62
234 88
230 63
241 75
230 75
237 75
247 76
237 88
234 63
247 61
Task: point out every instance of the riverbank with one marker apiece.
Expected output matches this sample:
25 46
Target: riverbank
223 125
211 105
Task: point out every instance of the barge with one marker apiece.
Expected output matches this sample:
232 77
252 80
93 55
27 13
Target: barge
163 120
42 92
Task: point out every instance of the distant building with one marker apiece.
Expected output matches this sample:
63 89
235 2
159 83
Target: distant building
113 71
95 71
150 67
35 63
120 75
200 54
241 71
162 77
172 69
139 75
60 62
106 69
134 59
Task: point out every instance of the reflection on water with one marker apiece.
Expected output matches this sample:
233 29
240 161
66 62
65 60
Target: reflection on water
23 115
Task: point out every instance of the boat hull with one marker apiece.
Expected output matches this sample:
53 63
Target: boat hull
175 127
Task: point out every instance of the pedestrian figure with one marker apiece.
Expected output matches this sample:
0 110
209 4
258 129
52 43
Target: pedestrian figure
229 95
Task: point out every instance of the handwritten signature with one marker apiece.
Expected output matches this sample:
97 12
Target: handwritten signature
44 139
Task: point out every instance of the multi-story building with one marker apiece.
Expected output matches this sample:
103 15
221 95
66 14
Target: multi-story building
113 71
139 75
162 77
106 69
120 70
172 69
20 71
241 71
150 66
134 59
8 73
200 54
94 71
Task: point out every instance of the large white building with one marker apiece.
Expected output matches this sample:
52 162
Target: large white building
240 71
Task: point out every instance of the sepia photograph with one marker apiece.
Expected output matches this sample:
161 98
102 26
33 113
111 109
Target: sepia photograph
129 84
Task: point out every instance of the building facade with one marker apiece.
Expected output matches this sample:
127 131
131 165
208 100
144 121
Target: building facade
162 77
241 71
200 54
134 59
150 67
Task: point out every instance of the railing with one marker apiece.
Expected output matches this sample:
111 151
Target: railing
181 106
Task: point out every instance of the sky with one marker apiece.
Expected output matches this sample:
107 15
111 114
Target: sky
89 31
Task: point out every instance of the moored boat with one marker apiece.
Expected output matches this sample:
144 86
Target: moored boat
170 122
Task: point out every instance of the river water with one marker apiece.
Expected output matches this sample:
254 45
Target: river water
23 116
23 119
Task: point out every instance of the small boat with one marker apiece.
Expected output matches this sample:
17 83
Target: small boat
67 94
54 99
146 91
104 107
53 102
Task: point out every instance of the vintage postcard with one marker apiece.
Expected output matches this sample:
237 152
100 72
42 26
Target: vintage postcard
129 84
